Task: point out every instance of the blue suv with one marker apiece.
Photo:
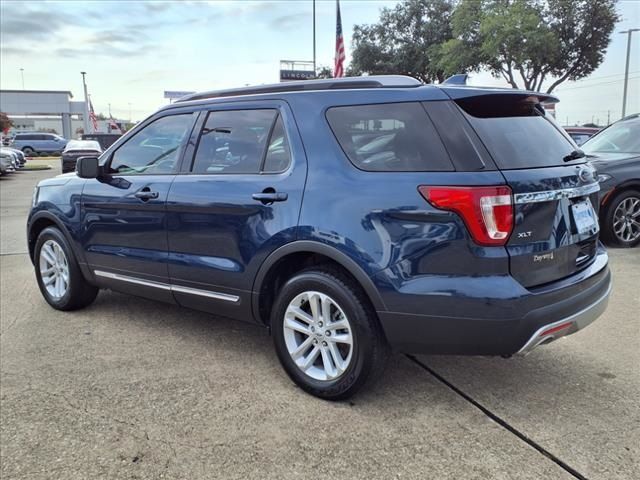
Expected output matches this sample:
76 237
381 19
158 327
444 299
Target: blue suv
351 216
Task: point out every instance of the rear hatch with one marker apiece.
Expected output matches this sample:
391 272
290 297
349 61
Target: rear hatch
555 195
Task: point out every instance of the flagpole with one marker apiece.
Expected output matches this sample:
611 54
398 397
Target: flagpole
85 117
314 38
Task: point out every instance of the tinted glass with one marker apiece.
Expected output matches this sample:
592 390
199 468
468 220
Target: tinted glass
233 141
278 156
389 137
516 131
154 149
621 137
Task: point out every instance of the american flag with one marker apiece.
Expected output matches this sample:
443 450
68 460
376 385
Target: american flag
113 125
338 69
92 116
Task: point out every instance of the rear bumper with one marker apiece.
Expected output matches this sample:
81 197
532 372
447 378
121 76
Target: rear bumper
500 319
567 326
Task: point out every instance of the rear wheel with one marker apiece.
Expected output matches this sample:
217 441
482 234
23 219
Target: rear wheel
622 219
28 151
326 335
59 277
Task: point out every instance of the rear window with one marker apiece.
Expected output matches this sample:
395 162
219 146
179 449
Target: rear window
392 137
516 131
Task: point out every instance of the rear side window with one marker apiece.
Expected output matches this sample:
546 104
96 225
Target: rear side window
516 131
392 137
234 141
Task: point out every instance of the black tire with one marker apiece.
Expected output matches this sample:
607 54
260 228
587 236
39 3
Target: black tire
79 293
28 151
608 232
369 347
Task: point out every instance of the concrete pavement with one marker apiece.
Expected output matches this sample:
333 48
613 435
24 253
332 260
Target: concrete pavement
129 388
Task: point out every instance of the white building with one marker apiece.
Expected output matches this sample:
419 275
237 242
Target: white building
27 108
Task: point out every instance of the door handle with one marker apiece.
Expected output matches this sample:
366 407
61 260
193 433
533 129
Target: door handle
267 196
146 194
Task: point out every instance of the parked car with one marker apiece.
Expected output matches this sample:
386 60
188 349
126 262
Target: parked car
75 149
14 156
349 216
104 139
7 163
581 134
21 158
615 153
38 142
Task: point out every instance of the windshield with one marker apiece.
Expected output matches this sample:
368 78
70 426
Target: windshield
621 137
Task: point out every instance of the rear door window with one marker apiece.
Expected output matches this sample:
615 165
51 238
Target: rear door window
392 137
517 132
234 141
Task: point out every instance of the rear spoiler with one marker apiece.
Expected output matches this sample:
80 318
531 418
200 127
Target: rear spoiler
456 87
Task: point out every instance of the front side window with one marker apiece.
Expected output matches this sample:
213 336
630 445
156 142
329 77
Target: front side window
234 141
154 149
393 137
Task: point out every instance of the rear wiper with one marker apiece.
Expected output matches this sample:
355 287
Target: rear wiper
575 155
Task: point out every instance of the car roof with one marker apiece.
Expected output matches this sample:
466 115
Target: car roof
374 83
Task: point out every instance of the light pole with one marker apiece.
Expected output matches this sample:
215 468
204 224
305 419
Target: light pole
85 117
314 38
22 75
626 69
129 112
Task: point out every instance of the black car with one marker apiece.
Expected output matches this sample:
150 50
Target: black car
615 153
104 139
76 149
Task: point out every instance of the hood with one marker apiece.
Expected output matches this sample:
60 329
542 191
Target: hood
606 157
59 180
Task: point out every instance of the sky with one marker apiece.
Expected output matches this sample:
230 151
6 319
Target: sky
133 51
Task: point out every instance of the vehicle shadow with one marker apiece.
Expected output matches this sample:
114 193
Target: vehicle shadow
550 375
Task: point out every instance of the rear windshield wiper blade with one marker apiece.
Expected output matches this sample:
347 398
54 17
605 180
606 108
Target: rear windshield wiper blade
575 155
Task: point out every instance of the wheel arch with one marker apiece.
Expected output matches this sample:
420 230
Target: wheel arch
293 257
38 223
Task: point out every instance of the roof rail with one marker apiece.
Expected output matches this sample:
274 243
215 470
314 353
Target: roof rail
459 79
373 81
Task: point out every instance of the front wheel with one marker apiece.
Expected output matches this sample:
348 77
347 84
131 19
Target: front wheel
326 334
622 219
58 274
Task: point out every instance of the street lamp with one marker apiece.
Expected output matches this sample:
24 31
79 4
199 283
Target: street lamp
626 69
22 75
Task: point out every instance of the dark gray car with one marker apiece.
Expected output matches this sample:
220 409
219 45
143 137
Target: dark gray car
615 153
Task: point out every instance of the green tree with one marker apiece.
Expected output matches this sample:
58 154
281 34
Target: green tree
403 40
529 41
324 72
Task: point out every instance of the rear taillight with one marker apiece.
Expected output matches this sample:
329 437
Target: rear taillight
487 211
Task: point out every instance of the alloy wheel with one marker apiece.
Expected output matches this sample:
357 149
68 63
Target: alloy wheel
626 220
318 336
54 269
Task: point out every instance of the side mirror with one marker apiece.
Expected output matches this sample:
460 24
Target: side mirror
87 167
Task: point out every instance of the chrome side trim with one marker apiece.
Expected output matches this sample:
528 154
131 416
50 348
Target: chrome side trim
578 320
165 286
137 281
205 293
550 195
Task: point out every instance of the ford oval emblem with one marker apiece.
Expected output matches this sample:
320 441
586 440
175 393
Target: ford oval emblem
586 175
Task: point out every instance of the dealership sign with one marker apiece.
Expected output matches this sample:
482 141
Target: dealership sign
296 75
175 94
